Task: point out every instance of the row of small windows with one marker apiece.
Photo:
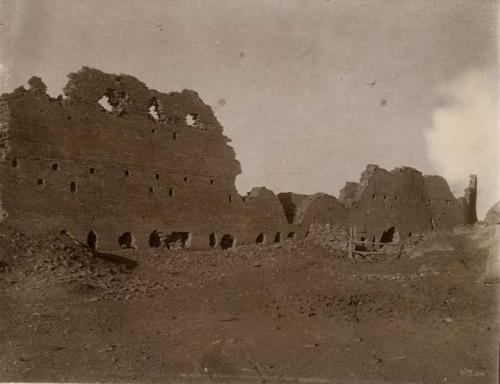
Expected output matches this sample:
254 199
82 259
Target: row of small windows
126 173
73 189
416 199
176 240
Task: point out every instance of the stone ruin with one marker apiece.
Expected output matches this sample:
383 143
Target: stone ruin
119 165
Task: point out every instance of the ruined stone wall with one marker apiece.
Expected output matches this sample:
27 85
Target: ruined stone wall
402 199
150 161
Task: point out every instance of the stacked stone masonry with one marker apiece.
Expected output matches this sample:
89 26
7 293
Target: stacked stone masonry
119 165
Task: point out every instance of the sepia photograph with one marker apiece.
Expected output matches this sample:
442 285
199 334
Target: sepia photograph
249 191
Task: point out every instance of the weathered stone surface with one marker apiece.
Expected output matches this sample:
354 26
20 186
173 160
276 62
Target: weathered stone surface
117 164
493 214
124 172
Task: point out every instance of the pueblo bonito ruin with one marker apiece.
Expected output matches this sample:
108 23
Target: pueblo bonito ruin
119 165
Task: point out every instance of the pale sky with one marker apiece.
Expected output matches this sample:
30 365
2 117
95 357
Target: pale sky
295 77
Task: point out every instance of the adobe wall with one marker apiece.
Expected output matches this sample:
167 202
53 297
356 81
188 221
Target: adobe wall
71 164
145 161
402 199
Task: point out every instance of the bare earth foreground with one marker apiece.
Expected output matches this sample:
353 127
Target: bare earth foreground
291 312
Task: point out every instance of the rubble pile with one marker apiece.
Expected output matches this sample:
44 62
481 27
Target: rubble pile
56 259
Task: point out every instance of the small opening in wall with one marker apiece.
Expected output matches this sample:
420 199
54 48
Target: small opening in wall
227 241
174 135
374 196
390 236
126 173
153 109
126 240
385 197
155 239
72 187
105 104
92 240
55 167
68 117
212 240
157 176
192 119
396 197
185 179
92 170
15 163
260 239
153 131
211 181
171 192
151 190
230 198
409 234
178 240
277 237
40 181
291 235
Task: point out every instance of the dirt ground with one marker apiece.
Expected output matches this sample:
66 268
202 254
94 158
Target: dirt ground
292 312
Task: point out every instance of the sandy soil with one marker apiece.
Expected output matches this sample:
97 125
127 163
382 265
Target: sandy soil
293 312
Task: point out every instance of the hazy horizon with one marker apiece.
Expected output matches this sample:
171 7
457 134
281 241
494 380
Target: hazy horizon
308 92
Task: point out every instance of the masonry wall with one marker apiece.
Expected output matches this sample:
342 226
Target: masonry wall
124 161
71 164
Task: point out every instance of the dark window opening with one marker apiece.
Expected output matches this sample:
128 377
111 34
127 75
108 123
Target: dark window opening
68 117
40 181
151 190
174 135
178 240
227 241
389 236
291 235
261 238
126 173
126 240
157 176
230 198
55 167
374 196
92 240
212 240
396 197
92 170
409 234
385 197
14 163
171 192
211 181
185 179
155 239
277 237
153 131
72 187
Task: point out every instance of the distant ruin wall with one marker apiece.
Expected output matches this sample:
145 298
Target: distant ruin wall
401 203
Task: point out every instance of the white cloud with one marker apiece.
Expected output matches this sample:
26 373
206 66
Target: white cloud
464 138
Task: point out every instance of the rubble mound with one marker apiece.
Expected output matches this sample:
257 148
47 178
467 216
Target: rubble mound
55 259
